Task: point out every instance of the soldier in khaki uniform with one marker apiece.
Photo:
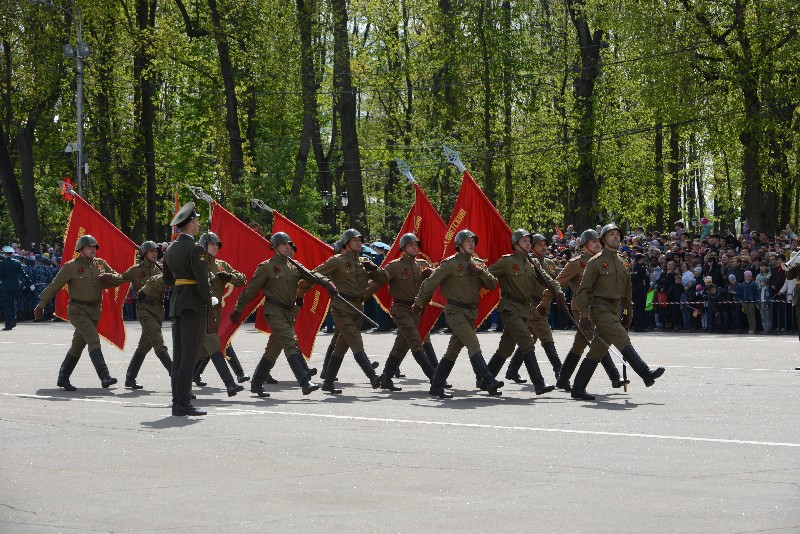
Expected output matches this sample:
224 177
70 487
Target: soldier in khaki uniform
350 273
605 288
406 275
85 277
337 248
461 277
149 312
277 279
540 311
220 274
521 284
572 275
186 268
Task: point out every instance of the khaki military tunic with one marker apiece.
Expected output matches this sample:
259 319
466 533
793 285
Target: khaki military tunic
462 289
522 288
348 273
571 275
149 311
405 279
82 278
791 274
277 279
220 289
604 290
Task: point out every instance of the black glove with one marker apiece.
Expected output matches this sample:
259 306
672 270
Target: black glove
426 273
298 302
474 268
541 310
627 321
368 265
416 309
331 289
225 277
235 316
140 296
585 324
38 312
561 300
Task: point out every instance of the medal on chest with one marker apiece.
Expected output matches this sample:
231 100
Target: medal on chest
406 273
349 264
80 270
460 267
515 268
276 269
604 265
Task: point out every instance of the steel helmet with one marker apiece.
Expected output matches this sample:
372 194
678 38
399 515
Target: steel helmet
607 228
337 247
519 234
405 239
350 234
208 238
146 247
462 236
86 241
280 238
535 238
588 235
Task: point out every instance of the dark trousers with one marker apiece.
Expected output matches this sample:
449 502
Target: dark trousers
9 309
188 333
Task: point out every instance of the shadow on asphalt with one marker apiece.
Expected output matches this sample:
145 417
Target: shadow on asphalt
82 393
603 403
171 421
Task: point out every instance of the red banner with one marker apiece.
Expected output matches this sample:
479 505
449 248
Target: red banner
310 252
474 211
118 251
244 249
425 222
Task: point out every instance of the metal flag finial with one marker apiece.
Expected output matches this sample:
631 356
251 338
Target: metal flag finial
405 170
453 157
199 194
257 203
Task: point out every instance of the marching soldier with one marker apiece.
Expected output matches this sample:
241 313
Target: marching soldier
220 273
277 278
522 286
405 276
350 273
461 277
537 322
791 274
572 275
605 288
85 277
186 268
149 312
337 248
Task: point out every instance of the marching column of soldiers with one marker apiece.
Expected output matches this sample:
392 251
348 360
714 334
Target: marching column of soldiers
598 277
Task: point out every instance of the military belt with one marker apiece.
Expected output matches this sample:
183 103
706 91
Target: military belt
185 282
277 304
85 302
404 302
462 305
351 298
512 298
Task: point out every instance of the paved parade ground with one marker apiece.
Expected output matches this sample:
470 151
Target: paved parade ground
714 446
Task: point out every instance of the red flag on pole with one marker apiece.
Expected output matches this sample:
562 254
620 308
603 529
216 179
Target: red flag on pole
175 209
474 211
244 249
425 222
118 251
310 252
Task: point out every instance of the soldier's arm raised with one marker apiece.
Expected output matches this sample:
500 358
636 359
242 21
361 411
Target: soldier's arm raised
327 267
253 287
430 284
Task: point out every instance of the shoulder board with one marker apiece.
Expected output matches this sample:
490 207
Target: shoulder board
448 258
574 259
506 255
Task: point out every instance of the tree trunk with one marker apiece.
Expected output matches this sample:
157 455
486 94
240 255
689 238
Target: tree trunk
674 176
659 164
31 231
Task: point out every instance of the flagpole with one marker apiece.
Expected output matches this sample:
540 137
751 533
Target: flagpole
199 194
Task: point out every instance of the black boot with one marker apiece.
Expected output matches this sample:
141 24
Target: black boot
198 370
233 361
431 354
495 364
585 372
67 366
363 361
296 362
102 369
165 360
222 368
514 365
333 368
327 361
482 370
539 385
133 371
648 375
186 409
389 371
613 372
440 379
397 373
424 363
257 385
552 355
570 363
310 372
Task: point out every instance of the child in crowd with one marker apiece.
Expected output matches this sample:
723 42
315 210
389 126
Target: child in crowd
765 304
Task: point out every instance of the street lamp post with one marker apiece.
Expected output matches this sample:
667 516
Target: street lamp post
330 202
78 52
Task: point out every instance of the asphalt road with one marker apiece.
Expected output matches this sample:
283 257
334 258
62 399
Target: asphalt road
714 446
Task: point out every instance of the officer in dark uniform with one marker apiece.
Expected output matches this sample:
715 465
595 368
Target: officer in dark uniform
351 273
149 312
277 278
522 285
10 275
186 268
406 275
85 277
605 289
640 284
461 277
